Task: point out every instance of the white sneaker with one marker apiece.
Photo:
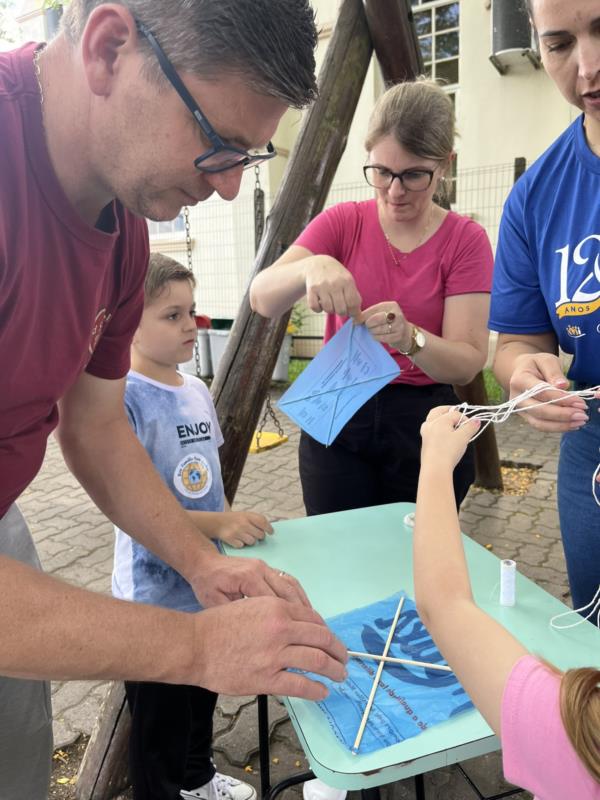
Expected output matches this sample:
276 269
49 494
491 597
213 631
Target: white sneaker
317 790
222 787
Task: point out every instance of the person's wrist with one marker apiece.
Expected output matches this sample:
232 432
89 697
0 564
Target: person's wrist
416 343
405 344
200 560
437 464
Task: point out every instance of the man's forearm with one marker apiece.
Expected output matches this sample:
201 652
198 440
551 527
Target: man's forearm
52 630
118 475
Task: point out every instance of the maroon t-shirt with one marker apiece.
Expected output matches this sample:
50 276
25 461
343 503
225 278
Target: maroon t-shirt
70 295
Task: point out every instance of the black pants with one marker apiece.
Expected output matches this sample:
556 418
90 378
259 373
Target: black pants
170 746
377 456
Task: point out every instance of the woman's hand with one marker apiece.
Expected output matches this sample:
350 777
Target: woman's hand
387 324
240 528
569 414
444 444
330 287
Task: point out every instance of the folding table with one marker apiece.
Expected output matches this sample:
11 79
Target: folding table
353 558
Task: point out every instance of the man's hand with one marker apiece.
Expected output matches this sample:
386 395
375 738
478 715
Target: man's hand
247 647
569 414
443 444
330 287
225 578
240 528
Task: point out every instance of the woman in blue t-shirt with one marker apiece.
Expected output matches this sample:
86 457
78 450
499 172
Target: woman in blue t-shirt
546 292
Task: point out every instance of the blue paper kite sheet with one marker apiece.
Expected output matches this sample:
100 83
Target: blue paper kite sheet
408 699
349 370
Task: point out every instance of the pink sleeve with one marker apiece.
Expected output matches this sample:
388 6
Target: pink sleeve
472 262
324 235
536 752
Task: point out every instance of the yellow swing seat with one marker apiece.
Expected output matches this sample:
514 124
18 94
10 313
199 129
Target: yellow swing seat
266 441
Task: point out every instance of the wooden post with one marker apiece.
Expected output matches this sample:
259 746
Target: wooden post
394 39
487 460
103 771
244 373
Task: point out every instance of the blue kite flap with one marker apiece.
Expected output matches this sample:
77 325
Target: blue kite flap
409 699
350 369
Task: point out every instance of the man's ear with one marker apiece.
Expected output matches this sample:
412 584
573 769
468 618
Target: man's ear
109 36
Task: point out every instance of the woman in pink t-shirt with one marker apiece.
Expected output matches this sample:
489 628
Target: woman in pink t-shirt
418 276
549 723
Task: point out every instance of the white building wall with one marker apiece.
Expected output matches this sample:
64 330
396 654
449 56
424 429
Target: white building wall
501 117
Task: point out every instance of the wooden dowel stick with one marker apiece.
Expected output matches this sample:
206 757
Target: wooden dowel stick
390 660
386 649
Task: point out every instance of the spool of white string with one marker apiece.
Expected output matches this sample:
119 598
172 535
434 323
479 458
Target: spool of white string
508 574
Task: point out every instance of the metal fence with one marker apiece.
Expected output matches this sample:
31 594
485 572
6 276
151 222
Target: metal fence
223 238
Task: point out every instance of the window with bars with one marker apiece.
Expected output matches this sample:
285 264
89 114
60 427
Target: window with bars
437 26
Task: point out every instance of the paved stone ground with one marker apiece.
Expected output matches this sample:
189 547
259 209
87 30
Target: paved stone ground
75 543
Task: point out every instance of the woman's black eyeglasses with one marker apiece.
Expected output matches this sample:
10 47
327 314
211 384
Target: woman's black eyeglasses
413 180
220 156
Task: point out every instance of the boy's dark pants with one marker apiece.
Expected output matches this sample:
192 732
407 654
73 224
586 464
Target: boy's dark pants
170 746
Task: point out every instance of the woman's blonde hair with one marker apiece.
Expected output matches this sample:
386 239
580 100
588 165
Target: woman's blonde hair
580 713
419 115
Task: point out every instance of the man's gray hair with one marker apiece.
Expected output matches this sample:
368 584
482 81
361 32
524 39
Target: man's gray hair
269 43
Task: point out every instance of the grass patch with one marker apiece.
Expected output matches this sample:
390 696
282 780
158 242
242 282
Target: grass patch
494 391
296 367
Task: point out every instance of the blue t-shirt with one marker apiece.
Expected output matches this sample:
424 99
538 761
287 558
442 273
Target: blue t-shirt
178 426
547 270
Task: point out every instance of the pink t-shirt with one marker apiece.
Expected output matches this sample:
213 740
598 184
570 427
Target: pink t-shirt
457 259
536 751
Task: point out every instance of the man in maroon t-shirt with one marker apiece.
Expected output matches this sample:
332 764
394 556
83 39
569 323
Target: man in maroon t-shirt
97 115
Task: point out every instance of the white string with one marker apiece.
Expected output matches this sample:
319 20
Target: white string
595 604
500 413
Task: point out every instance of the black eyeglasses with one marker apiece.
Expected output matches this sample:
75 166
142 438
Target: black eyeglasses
413 180
220 156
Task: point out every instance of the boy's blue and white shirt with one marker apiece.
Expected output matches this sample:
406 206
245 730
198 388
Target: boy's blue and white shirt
547 268
178 426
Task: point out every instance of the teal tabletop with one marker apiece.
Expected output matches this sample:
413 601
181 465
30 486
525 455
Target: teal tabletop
353 558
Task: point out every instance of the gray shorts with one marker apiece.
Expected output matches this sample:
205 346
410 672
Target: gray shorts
25 710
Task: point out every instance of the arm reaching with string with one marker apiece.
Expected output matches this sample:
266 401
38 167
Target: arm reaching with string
442 586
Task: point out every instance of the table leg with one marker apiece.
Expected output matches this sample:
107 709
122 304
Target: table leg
370 794
264 756
293 780
506 793
419 787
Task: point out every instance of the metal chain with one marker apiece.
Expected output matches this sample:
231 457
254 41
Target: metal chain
269 413
188 237
259 209
188 247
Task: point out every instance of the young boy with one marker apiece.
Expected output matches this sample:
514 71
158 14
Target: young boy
175 419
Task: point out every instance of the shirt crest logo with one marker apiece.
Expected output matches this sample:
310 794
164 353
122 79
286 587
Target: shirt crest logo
193 476
574 331
100 322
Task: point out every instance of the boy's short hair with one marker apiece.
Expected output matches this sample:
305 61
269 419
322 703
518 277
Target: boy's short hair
161 270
